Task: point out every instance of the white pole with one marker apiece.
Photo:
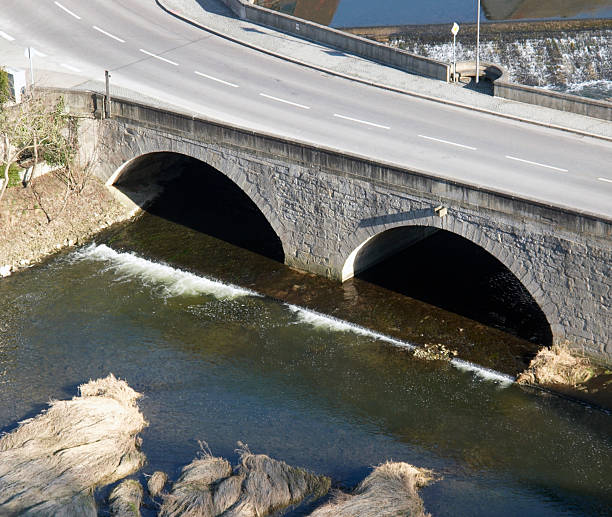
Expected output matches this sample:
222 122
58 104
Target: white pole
454 59
478 44
31 69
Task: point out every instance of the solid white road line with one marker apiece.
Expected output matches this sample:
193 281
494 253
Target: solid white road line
6 36
285 102
447 142
536 163
607 180
67 10
157 57
95 27
71 68
216 79
361 121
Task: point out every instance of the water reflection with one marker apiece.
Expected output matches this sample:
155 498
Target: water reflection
355 13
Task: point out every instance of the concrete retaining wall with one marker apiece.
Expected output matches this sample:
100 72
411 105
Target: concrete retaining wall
341 40
555 100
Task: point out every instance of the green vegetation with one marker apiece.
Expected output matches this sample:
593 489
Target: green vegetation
5 93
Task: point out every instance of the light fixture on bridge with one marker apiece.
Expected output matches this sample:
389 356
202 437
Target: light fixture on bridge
441 211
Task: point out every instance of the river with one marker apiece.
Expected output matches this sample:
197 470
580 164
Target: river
228 344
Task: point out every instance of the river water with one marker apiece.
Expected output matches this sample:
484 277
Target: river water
199 325
369 13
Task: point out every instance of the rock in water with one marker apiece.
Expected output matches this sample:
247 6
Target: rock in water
51 464
261 485
126 498
390 490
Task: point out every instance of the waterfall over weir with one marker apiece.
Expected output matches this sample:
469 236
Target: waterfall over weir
576 62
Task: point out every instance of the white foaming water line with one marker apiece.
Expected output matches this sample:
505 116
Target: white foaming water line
174 282
316 319
322 321
481 371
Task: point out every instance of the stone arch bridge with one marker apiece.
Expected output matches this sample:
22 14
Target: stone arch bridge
336 214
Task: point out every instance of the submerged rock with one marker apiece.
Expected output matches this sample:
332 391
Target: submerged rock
51 464
126 498
389 491
261 485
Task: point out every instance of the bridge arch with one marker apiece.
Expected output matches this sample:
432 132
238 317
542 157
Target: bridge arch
153 162
369 247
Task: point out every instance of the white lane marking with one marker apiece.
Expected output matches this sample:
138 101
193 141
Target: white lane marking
216 79
95 27
67 10
447 142
536 163
71 68
285 102
361 121
6 36
607 180
157 57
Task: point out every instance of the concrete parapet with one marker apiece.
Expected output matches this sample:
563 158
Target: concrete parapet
550 99
344 41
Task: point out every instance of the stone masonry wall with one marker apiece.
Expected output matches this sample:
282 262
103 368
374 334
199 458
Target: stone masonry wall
321 214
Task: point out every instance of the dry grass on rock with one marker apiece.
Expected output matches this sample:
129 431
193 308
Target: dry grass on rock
557 366
389 491
51 464
261 485
126 498
156 483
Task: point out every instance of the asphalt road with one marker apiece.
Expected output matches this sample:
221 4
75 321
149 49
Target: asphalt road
149 51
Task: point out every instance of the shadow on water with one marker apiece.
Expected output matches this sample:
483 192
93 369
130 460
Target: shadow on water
450 272
203 199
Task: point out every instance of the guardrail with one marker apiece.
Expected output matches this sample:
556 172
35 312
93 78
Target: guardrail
344 41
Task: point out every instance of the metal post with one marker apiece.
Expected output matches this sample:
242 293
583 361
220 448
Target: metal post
107 100
478 44
31 69
454 59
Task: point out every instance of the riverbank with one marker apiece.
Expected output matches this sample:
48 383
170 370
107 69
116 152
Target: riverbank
27 235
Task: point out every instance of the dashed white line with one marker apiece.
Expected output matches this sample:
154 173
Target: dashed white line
447 142
71 68
67 10
607 180
117 38
216 79
536 163
6 36
285 101
361 121
158 57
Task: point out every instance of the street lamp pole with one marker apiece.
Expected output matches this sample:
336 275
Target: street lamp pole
478 44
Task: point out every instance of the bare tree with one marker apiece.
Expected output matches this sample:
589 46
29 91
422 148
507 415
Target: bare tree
37 131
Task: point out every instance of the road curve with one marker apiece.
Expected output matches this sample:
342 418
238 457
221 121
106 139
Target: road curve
149 51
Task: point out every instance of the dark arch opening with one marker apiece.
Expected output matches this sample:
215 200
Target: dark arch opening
453 273
198 196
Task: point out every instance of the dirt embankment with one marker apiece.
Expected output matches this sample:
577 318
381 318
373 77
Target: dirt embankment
27 235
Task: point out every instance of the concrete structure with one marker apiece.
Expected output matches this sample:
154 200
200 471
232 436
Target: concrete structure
336 214
341 40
